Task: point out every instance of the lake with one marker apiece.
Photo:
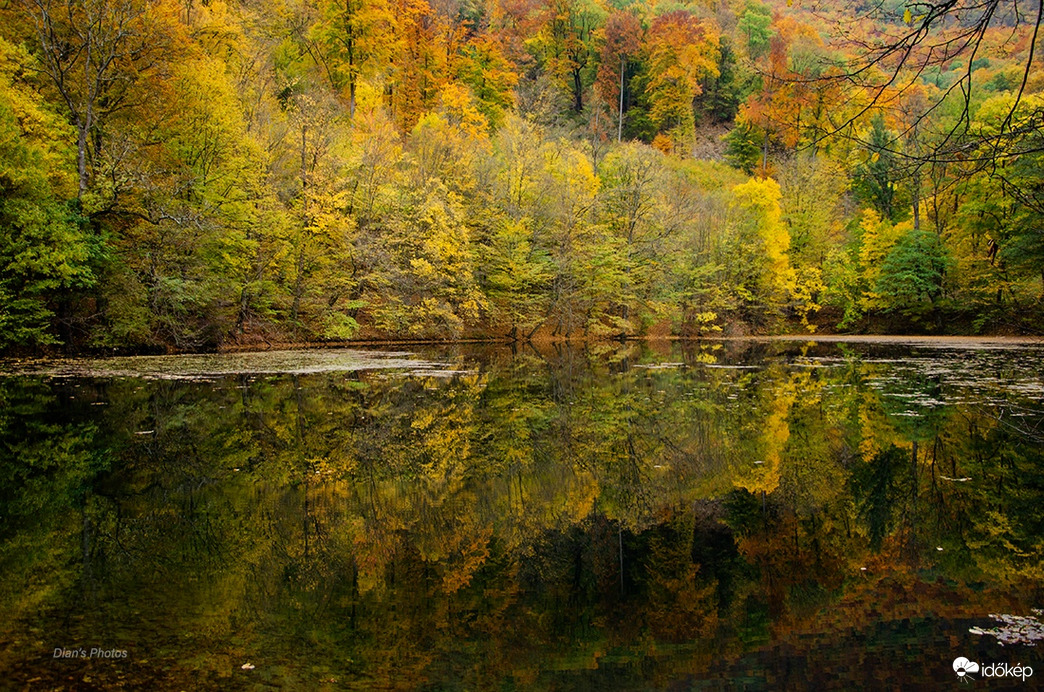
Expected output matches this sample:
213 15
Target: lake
747 514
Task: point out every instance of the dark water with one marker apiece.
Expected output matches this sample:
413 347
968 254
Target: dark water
739 515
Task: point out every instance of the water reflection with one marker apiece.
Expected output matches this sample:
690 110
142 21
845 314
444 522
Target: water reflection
715 515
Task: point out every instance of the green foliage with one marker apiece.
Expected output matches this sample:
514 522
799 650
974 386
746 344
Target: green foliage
44 251
875 181
754 25
722 93
913 271
517 276
743 147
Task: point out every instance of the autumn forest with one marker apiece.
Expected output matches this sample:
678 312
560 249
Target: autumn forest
179 175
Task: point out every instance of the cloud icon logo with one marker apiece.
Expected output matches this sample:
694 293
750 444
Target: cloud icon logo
963 667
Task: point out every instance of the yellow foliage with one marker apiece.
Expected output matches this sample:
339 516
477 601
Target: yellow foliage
460 108
878 237
763 197
663 143
764 477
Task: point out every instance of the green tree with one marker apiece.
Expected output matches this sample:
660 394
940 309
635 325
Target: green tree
567 40
743 147
876 180
44 252
913 272
754 26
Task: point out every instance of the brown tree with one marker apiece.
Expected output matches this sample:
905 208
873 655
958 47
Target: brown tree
622 35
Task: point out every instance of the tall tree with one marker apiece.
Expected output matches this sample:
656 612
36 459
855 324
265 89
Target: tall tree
354 38
680 51
43 250
102 57
622 40
568 43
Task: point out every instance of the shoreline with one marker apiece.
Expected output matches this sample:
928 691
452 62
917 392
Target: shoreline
930 341
925 339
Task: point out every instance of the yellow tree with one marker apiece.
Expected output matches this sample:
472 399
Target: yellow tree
877 238
762 197
102 57
567 40
680 51
321 282
354 37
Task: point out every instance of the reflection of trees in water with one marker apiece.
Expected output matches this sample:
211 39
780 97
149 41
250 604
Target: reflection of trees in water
541 512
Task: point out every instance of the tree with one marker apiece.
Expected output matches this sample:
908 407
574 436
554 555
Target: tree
680 51
517 278
633 188
913 271
723 92
101 57
321 283
875 181
418 63
754 25
814 205
567 40
622 40
491 76
743 146
854 273
1005 205
792 108
354 37
44 252
761 198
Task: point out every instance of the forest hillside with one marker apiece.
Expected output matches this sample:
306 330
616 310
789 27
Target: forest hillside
182 175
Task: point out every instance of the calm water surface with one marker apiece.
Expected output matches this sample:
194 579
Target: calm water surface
757 515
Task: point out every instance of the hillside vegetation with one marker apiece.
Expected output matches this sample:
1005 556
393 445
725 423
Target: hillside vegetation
182 176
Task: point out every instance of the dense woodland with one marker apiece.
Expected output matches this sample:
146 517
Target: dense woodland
178 175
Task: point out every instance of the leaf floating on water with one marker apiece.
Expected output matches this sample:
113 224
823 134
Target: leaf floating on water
203 367
1015 629
247 666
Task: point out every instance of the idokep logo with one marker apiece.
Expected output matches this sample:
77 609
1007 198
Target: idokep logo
965 668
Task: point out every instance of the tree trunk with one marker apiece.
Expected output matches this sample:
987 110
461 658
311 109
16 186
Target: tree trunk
764 155
81 157
917 201
619 126
351 98
578 92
